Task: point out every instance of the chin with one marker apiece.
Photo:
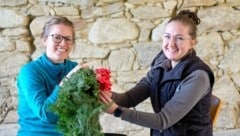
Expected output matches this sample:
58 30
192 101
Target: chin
60 59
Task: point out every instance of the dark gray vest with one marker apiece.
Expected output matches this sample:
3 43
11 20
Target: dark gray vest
164 84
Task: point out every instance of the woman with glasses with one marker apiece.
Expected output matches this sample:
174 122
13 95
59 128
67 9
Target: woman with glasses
39 81
179 85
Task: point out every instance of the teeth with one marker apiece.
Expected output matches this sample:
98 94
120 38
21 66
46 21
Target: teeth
62 50
172 50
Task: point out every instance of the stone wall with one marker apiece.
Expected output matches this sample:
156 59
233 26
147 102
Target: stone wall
123 35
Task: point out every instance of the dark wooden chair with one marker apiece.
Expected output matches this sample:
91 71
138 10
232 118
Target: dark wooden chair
216 104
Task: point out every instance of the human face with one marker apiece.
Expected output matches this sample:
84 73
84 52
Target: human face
176 41
57 52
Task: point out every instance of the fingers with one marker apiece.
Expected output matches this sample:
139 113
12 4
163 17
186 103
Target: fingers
102 98
105 98
110 105
84 65
76 68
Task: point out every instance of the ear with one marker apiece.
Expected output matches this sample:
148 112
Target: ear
193 43
44 40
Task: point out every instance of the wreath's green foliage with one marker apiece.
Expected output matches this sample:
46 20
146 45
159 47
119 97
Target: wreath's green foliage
78 106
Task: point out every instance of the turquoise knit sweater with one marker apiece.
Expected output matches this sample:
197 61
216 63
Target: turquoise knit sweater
38 87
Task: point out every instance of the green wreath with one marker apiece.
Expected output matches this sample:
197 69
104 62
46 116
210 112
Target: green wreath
78 106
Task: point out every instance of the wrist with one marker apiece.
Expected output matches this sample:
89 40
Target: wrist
118 111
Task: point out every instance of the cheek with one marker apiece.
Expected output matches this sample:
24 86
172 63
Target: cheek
189 47
71 47
164 45
186 47
46 43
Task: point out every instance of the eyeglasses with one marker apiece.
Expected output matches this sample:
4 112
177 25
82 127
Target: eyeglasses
177 39
58 38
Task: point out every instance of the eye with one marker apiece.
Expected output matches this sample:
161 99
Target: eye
58 37
167 37
68 39
179 38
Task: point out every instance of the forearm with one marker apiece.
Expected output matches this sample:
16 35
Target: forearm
41 105
133 97
190 91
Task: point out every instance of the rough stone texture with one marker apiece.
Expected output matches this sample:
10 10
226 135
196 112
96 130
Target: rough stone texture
158 31
236 78
112 31
230 59
141 2
37 24
81 50
145 31
23 46
123 63
13 2
8 129
11 62
72 11
219 18
3 102
235 132
10 18
104 10
210 46
149 12
6 44
225 89
233 2
39 10
11 117
132 77
146 52
17 32
193 3
123 36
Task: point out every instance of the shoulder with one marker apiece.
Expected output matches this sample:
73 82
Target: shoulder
199 73
200 76
31 67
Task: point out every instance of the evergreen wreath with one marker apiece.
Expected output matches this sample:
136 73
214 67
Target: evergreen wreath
78 106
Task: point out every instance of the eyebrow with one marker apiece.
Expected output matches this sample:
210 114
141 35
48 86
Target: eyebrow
174 35
60 35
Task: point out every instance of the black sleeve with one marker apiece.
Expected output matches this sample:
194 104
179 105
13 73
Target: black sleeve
133 97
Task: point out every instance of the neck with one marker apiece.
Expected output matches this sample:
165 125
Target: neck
174 63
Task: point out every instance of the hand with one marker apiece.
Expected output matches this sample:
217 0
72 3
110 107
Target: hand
105 98
74 70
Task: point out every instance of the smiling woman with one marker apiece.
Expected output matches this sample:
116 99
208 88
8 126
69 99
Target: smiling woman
179 85
39 81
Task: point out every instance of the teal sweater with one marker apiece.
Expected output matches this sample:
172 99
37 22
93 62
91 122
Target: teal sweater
38 87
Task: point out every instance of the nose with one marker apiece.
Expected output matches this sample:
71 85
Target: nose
63 42
172 41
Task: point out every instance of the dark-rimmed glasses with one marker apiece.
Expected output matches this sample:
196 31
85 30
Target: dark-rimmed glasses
58 38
